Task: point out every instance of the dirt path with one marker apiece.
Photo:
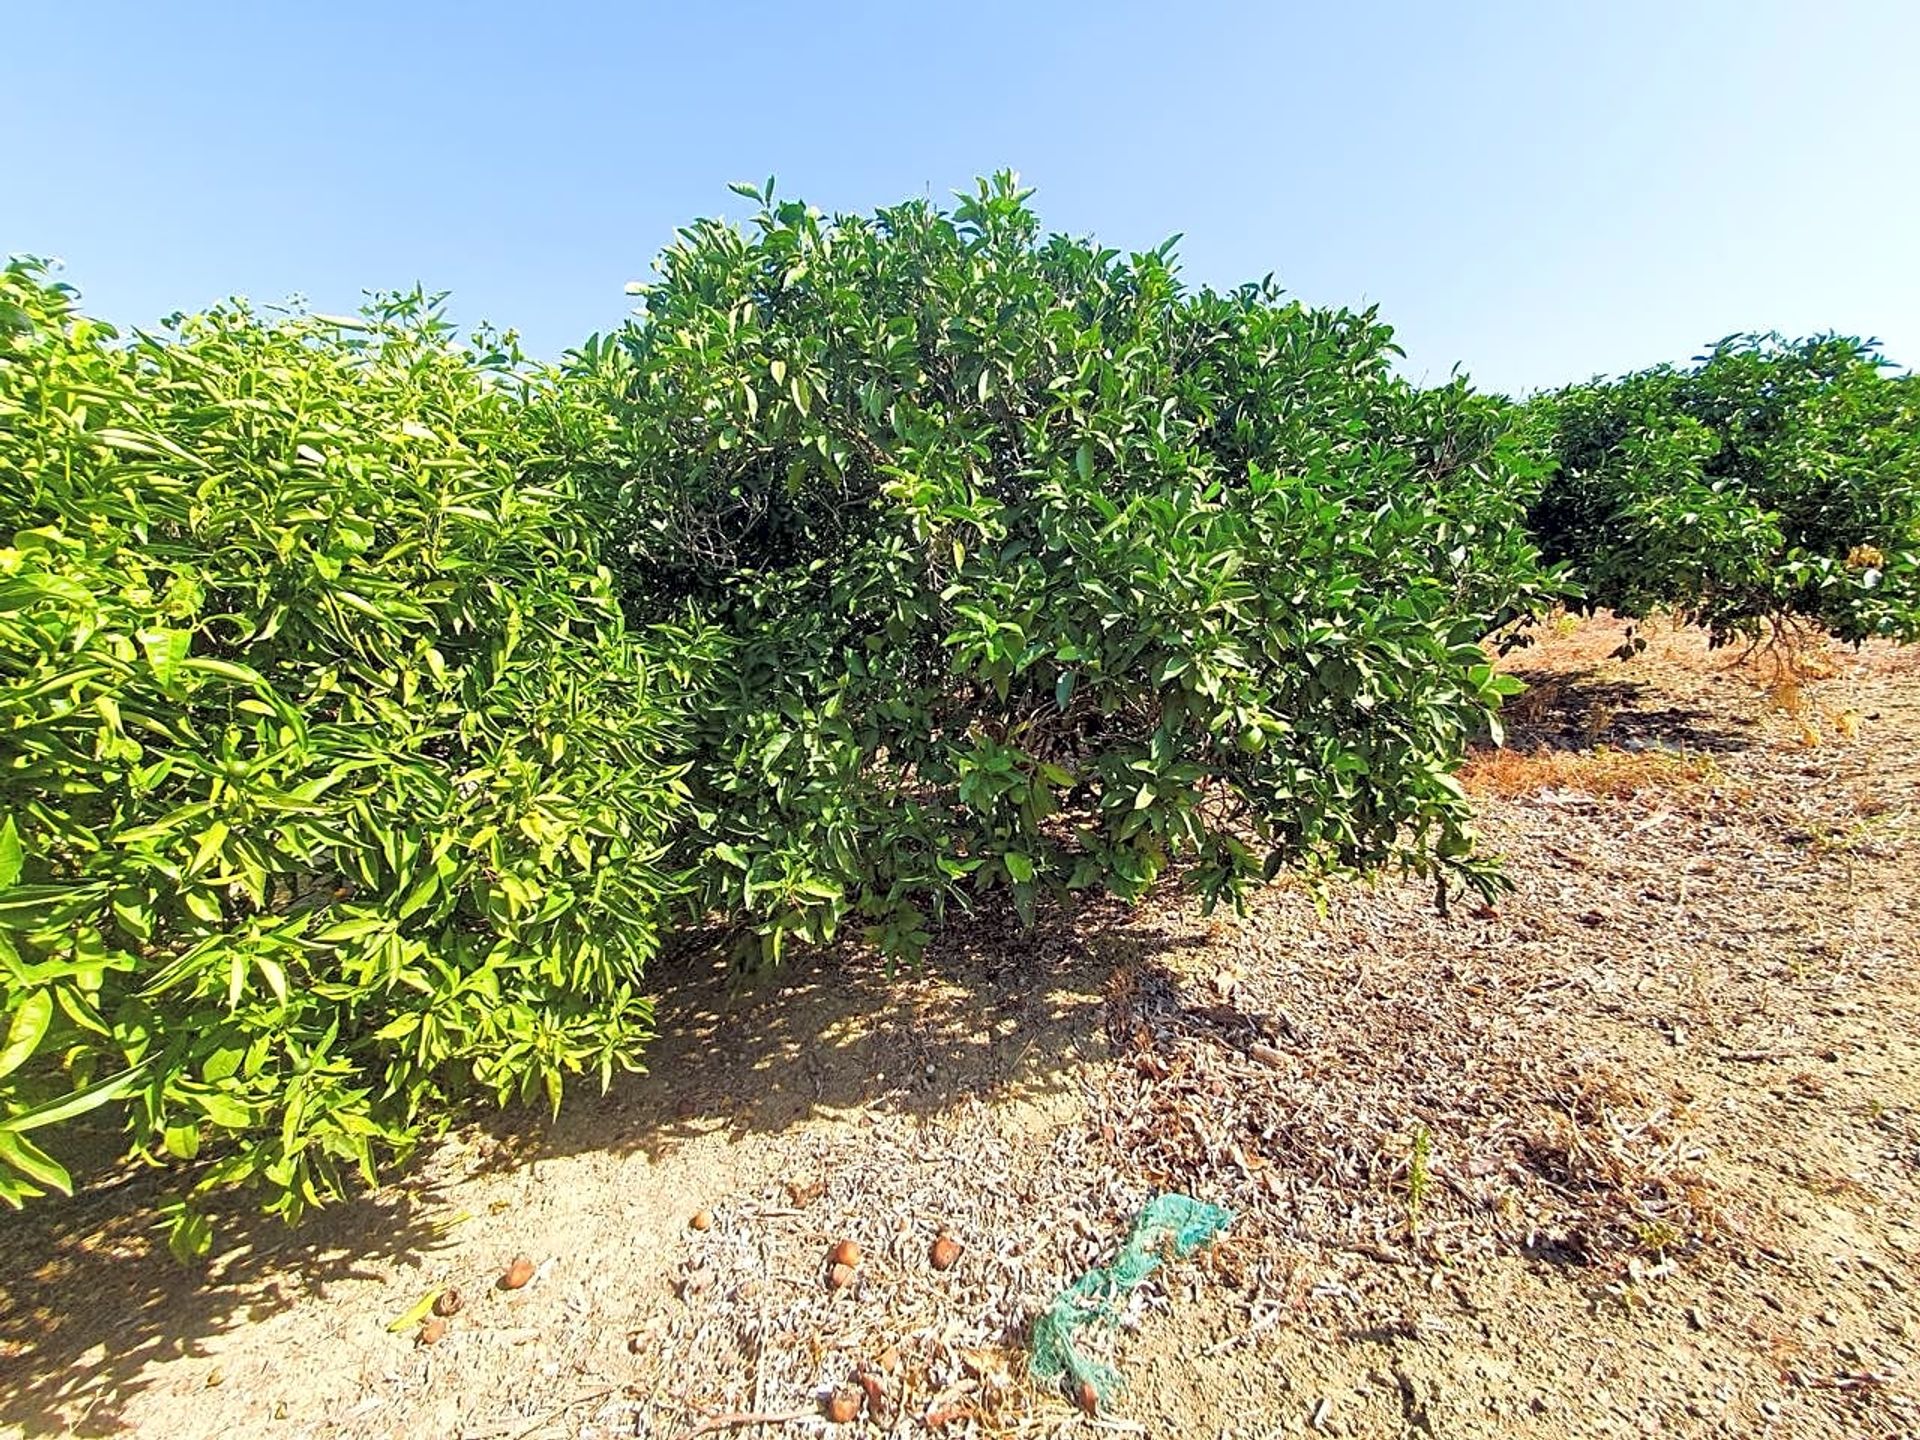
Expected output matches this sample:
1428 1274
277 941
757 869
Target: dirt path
1636 1150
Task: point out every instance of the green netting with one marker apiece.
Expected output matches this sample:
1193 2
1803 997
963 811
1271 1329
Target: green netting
1169 1226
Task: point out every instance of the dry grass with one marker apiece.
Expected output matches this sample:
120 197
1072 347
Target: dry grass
1603 772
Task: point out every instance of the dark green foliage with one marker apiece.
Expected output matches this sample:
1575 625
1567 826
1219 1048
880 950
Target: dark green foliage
1042 574
1775 481
334 785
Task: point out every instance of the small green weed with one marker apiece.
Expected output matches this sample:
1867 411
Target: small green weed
1419 1176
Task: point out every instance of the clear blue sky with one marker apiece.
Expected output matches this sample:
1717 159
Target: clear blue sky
1537 191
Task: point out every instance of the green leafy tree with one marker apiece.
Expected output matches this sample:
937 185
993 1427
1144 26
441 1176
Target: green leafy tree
375 703
1041 573
1773 483
335 786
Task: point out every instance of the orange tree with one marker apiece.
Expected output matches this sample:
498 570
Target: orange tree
1042 573
375 704
335 787
1775 482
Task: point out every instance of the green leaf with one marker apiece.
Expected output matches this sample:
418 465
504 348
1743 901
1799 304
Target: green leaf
226 669
78 1102
202 905
22 1155
275 976
164 650
208 850
356 929
189 1236
224 1111
423 1307
11 857
420 896
24 1034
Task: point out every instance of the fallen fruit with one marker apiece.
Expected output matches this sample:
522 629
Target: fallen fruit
696 1282
983 1362
805 1192
517 1274
839 1276
945 1251
1088 1397
876 1389
433 1331
702 1220
448 1302
843 1406
847 1252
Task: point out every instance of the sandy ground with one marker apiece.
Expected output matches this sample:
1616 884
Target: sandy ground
1633 1151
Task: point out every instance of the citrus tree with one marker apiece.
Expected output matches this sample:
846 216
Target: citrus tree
1772 483
1041 573
335 786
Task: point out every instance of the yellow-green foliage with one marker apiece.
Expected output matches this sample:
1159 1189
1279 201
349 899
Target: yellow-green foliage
334 784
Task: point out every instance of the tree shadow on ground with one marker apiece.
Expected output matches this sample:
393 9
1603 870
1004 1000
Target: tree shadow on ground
90 1297
1578 709
992 1011
91 1303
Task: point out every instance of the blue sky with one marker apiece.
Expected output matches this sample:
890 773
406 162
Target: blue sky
1537 191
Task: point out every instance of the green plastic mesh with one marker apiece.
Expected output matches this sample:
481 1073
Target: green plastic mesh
1169 1226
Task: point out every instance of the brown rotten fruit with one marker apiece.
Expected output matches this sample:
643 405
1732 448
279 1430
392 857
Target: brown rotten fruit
843 1406
517 1274
847 1253
839 1276
945 1252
